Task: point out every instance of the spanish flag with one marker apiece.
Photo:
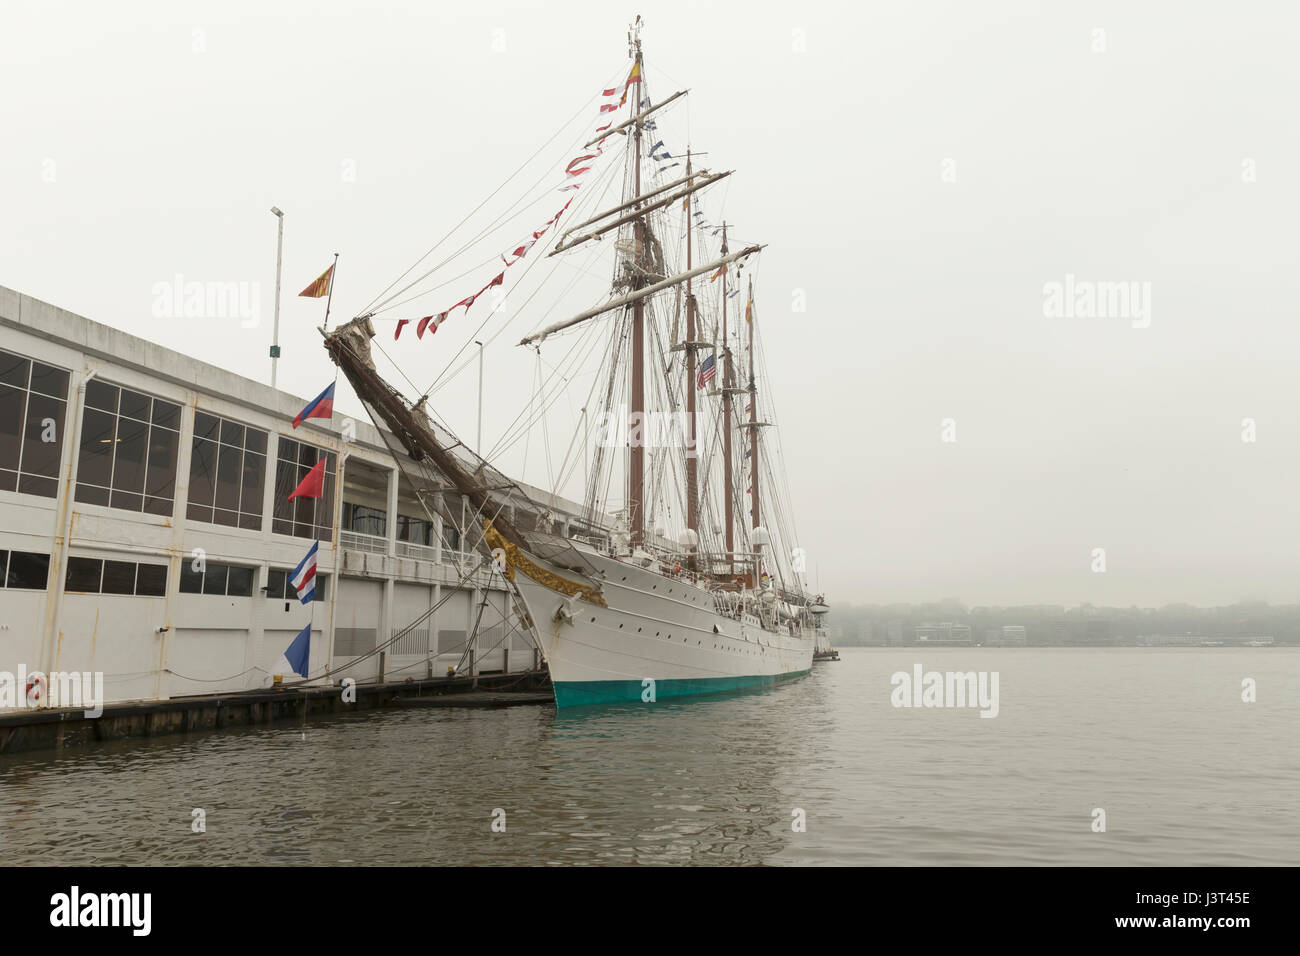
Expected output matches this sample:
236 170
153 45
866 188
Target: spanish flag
633 77
749 309
321 287
721 269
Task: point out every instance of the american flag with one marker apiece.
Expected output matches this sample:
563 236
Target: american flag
708 369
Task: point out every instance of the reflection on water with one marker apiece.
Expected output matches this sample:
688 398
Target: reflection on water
1159 738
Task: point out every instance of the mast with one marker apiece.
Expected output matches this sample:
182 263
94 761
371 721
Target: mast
753 418
729 506
692 488
636 427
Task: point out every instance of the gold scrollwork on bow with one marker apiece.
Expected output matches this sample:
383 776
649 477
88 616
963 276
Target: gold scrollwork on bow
514 558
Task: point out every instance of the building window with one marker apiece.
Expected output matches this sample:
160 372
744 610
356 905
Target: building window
33 408
303 517
227 473
128 450
364 520
24 570
450 537
230 580
414 530
96 576
278 587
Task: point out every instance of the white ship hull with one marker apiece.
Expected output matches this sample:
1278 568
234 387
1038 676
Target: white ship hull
660 637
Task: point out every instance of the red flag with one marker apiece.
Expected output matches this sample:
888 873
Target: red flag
313 486
574 162
424 324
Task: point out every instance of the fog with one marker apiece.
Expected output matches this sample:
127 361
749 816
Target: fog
1030 291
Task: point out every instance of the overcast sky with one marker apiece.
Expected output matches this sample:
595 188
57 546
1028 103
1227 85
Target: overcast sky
921 172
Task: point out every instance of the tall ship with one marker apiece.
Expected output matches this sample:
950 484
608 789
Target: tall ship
699 586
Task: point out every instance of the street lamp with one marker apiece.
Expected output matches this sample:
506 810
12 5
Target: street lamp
279 252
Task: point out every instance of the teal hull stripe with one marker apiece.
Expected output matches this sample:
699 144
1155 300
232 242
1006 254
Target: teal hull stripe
586 693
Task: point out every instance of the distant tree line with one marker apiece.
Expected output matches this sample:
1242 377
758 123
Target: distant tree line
1048 625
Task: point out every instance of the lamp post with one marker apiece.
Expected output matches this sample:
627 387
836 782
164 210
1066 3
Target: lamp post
279 257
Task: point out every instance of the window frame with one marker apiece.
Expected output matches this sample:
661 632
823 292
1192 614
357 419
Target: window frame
81 560
6 568
27 439
286 516
248 515
154 497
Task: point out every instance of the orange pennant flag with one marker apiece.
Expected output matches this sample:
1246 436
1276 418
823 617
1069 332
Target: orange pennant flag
321 287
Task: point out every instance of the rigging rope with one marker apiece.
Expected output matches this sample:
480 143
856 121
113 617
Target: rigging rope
374 303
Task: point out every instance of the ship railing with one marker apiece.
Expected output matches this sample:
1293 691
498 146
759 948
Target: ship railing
726 603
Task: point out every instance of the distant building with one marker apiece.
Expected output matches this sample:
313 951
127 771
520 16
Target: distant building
895 632
945 634
1013 635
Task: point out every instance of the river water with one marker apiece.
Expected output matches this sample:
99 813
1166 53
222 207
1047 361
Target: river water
1159 739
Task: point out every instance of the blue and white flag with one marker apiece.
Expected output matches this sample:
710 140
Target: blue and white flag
299 652
303 578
